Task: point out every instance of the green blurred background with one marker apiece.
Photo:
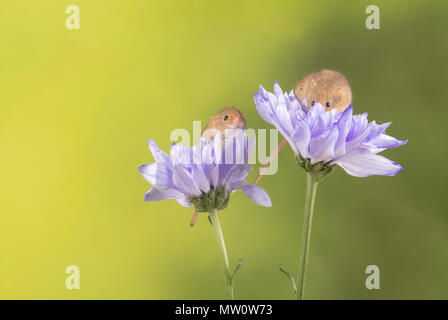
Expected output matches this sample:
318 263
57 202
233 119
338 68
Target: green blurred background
76 109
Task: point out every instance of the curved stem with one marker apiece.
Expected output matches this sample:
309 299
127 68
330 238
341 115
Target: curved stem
311 188
214 218
271 157
195 217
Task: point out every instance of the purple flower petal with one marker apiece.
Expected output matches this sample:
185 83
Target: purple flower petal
277 90
156 194
383 141
201 179
182 154
215 176
256 194
183 201
343 127
156 174
262 108
361 162
217 147
323 149
183 180
301 139
284 120
149 172
159 155
237 175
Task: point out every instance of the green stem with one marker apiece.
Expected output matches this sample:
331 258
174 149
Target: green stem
311 188
214 218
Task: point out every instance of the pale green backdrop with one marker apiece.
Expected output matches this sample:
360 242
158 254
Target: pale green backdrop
77 106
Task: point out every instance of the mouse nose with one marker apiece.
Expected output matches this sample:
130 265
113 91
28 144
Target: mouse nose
238 122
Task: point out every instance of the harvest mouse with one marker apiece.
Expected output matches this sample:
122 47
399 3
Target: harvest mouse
225 120
327 87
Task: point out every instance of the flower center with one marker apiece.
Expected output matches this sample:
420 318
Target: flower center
320 169
215 199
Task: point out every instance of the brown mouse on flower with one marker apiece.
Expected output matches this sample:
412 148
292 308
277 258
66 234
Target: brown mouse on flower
327 87
225 120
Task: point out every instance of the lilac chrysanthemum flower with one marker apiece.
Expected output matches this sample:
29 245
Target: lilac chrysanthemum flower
322 139
202 175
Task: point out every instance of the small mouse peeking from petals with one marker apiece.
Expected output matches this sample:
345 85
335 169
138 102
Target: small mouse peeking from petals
227 120
204 176
326 87
323 137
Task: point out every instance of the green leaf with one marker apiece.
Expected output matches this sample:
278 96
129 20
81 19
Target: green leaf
290 277
238 266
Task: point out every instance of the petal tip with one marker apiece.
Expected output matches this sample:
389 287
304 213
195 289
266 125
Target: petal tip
142 168
399 169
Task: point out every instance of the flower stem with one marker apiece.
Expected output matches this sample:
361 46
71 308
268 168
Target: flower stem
271 157
214 218
311 188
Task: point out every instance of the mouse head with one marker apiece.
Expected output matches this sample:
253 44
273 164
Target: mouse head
228 118
329 88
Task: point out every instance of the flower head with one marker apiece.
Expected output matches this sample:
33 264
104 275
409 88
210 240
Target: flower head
322 139
203 175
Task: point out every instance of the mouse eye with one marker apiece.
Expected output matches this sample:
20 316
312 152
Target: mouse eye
226 118
327 104
312 103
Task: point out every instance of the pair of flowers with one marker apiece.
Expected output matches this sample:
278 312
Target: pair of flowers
202 175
